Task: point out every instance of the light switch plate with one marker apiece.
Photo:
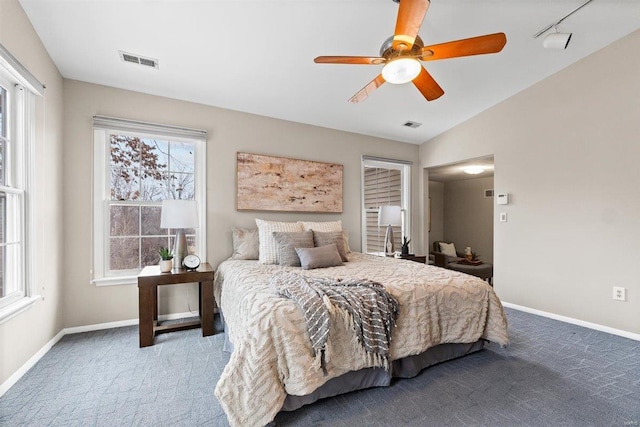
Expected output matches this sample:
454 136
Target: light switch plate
503 217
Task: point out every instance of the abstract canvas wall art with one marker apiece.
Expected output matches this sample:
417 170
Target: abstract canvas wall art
268 183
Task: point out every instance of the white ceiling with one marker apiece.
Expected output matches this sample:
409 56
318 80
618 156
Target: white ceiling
257 56
455 172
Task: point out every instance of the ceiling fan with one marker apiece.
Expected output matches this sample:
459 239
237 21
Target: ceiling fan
400 53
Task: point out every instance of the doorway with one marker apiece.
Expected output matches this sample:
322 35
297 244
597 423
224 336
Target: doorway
461 206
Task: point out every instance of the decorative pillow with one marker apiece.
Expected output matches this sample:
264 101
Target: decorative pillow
322 256
287 244
323 239
448 249
245 243
324 227
345 233
268 246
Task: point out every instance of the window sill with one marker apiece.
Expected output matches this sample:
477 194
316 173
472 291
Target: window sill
17 308
115 281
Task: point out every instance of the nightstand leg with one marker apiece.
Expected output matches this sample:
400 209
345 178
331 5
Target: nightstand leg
146 313
206 307
155 304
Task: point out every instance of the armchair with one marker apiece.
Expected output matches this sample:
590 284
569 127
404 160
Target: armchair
441 259
483 270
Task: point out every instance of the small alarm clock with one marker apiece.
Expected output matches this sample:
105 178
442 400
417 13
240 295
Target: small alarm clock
191 262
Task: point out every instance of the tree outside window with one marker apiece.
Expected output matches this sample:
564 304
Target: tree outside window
142 173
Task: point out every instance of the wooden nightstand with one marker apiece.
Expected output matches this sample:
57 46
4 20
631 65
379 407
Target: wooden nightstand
417 258
148 281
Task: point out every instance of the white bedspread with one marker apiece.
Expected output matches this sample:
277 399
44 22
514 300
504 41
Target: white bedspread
272 353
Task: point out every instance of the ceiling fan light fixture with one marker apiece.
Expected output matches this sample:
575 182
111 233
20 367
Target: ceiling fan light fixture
473 170
401 70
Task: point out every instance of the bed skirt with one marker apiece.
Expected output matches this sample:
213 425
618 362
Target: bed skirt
406 367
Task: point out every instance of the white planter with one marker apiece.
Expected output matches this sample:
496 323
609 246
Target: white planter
166 265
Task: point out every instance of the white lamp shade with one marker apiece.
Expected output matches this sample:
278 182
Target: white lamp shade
179 214
390 215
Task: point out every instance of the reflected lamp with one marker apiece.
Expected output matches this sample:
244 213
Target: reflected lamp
390 216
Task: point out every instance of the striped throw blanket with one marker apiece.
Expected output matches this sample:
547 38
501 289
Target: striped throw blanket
371 309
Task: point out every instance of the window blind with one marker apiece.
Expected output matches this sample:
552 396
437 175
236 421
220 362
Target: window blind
381 187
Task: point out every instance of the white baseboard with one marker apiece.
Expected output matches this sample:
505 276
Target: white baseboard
121 323
573 321
175 316
100 326
5 386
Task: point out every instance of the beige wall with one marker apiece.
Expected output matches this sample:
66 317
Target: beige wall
435 209
468 216
229 132
567 150
22 336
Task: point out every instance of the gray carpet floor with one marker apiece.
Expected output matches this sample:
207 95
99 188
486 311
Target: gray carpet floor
553 374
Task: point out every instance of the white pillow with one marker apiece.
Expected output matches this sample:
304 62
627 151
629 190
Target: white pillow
449 249
246 244
268 245
323 227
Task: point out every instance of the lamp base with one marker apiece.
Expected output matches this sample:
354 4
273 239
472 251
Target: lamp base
179 249
389 247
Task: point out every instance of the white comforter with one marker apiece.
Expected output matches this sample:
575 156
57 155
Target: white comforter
272 353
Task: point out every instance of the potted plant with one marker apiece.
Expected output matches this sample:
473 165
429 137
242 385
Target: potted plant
166 260
405 245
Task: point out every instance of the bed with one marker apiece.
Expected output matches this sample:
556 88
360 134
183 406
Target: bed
444 314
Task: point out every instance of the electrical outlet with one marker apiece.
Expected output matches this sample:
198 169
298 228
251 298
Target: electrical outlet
619 293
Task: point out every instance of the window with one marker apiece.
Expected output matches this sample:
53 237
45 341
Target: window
18 89
384 182
137 165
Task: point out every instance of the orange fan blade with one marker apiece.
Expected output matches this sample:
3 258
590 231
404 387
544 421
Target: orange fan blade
410 16
365 60
429 88
491 43
365 91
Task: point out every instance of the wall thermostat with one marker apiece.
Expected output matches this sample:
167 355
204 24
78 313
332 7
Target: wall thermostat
503 198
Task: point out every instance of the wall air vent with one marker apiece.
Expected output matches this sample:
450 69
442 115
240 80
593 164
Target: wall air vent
137 59
488 194
411 124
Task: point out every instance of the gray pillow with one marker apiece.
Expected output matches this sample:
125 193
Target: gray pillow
287 242
246 243
319 257
337 237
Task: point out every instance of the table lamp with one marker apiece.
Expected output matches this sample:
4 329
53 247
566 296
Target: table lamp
178 215
389 216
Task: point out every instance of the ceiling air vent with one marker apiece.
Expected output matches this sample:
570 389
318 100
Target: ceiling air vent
411 124
137 59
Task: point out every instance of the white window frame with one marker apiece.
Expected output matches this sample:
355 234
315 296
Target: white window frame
405 194
22 88
105 126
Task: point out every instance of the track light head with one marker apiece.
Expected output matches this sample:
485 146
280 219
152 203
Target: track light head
557 40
